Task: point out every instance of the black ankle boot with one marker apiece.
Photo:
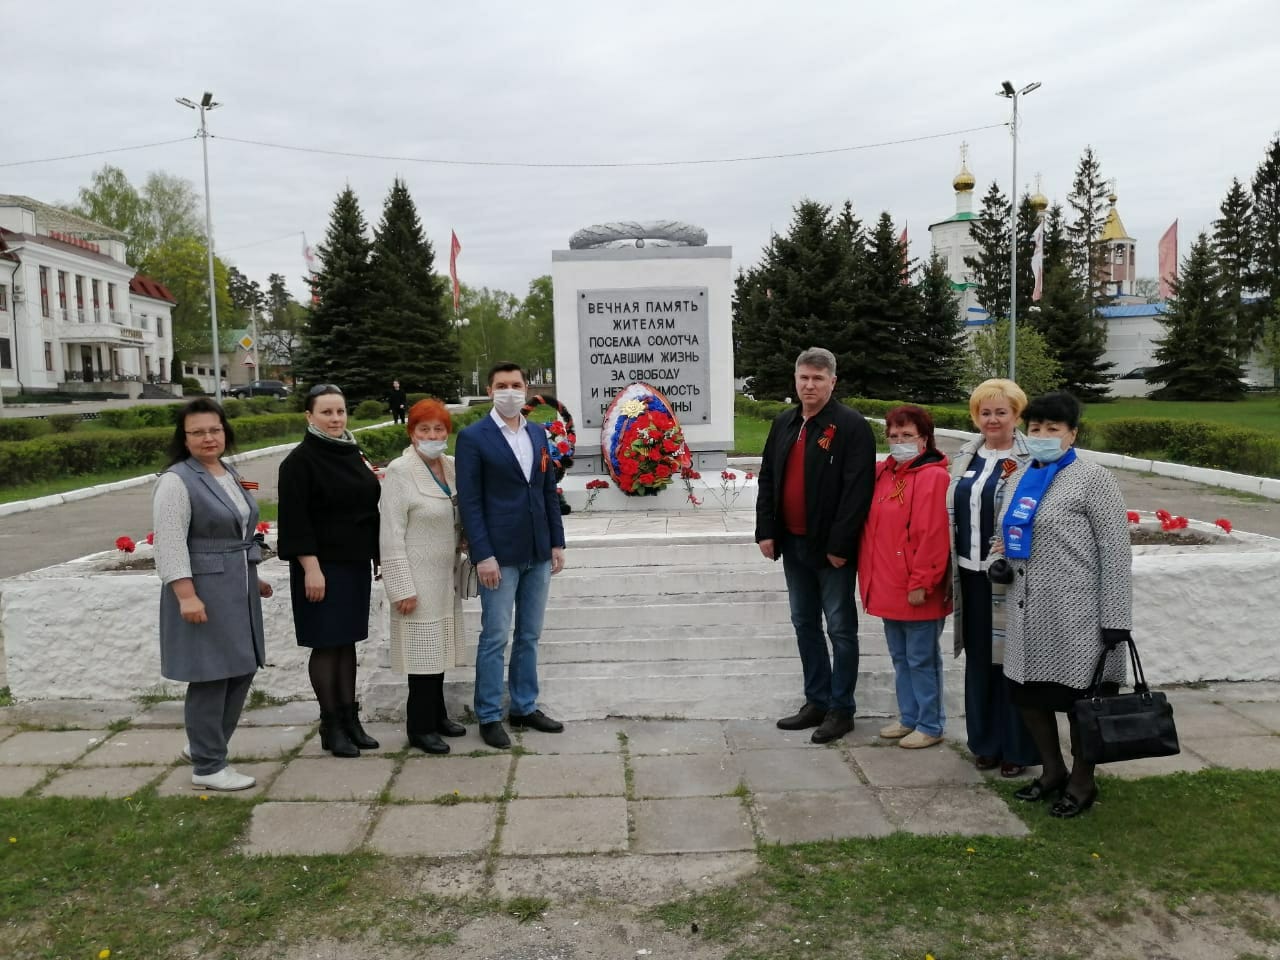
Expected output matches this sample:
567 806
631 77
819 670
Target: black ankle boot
334 737
350 714
447 727
428 743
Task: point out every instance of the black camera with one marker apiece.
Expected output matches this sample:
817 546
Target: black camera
1000 571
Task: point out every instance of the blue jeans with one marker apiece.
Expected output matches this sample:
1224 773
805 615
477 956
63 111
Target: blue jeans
827 592
917 672
521 596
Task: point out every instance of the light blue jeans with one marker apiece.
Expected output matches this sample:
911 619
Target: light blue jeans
917 672
520 598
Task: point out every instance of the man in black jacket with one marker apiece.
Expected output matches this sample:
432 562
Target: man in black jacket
816 479
398 401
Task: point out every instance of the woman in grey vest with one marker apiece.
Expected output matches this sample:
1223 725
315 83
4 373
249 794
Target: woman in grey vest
210 599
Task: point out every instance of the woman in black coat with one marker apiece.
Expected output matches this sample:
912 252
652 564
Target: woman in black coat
329 534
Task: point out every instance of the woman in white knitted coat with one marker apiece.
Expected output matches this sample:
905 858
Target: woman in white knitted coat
420 542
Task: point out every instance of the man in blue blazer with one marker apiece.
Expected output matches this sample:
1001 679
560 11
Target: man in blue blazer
511 518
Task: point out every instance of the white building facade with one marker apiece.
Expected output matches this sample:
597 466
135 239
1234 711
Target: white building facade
74 316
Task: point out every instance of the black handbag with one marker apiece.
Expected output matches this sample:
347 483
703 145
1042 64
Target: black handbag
1128 726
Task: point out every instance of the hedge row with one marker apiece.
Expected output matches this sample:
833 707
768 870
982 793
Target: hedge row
98 451
387 443
1196 443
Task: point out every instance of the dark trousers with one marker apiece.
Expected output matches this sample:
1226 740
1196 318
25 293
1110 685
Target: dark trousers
815 594
425 705
212 711
994 725
398 413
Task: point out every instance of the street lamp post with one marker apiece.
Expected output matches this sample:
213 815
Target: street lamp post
1007 90
204 106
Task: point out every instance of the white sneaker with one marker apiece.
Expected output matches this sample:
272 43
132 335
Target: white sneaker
225 779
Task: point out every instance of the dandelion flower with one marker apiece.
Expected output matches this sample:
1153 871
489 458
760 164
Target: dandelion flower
13 839
103 954
204 796
1095 856
970 850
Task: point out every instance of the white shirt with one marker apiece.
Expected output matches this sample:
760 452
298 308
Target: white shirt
518 440
983 464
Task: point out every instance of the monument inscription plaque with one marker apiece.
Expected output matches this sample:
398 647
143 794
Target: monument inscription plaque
654 335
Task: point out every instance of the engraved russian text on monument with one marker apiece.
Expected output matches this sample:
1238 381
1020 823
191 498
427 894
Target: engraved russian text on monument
653 335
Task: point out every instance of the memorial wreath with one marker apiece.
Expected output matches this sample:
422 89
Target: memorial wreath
643 445
561 438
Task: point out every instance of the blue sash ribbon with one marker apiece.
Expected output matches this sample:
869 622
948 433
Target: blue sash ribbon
1020 517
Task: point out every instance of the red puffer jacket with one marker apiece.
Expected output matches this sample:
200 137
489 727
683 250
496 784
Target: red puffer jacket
906 544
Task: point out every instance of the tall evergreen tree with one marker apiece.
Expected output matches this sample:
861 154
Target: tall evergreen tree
1057 248
935 344
886 309
783 304
1264 272
1088 202
1195 358
342 288
848 331
990 267
1073 335
1028 223
1233 253
406 334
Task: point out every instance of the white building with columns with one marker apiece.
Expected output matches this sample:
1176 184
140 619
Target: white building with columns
74 316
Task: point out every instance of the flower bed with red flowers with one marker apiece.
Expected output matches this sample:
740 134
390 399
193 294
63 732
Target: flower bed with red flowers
1163 528
130 559
643 445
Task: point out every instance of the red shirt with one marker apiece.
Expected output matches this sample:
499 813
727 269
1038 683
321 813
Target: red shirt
793 511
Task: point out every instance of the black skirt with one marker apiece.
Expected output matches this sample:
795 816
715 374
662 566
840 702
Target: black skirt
1046 695
342 617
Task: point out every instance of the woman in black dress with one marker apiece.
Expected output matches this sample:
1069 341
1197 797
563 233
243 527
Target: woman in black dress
329 534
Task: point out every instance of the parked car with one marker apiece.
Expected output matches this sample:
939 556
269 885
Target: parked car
260 388
1137 373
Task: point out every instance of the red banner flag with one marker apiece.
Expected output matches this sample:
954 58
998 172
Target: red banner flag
1037 263
1168 251
906 271
455 248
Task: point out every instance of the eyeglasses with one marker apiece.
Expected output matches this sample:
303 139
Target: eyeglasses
211 432
320 388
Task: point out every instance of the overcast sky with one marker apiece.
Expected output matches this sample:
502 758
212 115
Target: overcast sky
1176 97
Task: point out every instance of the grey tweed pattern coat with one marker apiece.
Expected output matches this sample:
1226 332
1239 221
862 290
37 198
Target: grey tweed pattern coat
1076 581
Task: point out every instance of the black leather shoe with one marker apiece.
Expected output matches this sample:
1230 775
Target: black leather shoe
810 715
495 735
536 721
834 726
334 738
428 743
449 728
350 714
1069 806
1035 791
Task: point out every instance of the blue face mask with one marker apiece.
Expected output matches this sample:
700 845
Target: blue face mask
1045 449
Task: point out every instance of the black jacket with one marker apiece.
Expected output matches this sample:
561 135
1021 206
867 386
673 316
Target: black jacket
838 479
397 400
328 503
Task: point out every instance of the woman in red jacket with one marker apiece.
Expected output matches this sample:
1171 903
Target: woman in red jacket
903 571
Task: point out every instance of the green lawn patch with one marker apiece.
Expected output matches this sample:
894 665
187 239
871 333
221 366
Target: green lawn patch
1160 843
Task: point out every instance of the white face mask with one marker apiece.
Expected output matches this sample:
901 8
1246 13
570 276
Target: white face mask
508 402
904 452
431 449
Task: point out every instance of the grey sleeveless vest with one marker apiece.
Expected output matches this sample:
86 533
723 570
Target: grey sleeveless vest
224 567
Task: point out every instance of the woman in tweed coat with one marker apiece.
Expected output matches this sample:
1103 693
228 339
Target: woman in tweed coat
1071 595
419 539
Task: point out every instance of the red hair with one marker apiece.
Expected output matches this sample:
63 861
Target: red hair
909 415
429 411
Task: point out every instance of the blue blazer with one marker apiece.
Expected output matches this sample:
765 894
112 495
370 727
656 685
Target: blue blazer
505 514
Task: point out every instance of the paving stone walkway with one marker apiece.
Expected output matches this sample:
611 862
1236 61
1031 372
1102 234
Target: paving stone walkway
643 790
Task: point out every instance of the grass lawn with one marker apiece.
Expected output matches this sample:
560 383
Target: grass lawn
152 877
1196 845
44 488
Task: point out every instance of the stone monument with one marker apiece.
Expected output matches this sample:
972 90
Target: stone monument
646 302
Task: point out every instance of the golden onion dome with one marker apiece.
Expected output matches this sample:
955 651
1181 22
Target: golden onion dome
964 181
1039 202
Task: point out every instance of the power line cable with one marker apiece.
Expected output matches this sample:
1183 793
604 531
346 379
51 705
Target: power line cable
579 165
94 153
258 243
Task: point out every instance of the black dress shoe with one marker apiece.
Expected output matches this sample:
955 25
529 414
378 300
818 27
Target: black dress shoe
1036 791
450 728
810 715
428 743
1069 806
495 735
536 721
834 726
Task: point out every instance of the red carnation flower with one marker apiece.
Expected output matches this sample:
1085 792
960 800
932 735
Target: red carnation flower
263 526
630 467
126 544
1224 523
151 538
645 479
655 454
556 427
663 471
563 447
1133 516
1163 515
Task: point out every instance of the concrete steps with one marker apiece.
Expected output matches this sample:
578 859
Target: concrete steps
694 626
